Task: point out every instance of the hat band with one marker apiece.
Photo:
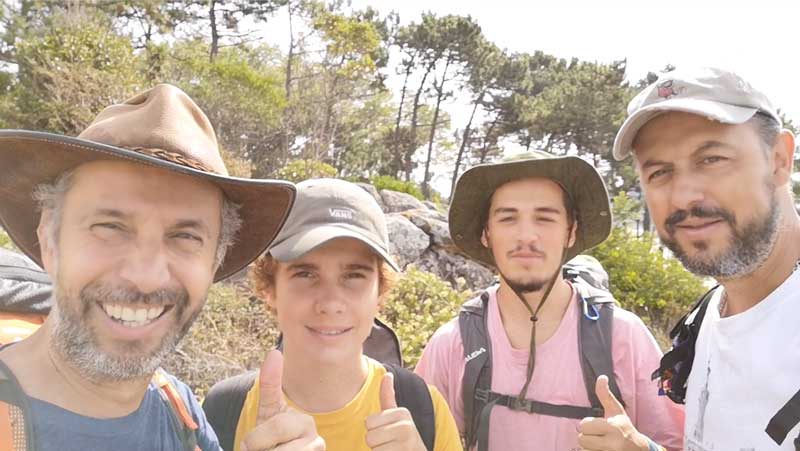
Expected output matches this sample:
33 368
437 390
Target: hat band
173 157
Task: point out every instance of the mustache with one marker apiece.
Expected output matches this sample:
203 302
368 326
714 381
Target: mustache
527 248
121 294
698 212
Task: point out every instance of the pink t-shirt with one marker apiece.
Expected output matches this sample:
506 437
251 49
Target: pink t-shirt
557 379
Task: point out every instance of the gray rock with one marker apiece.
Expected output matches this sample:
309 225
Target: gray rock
373 192
431 224
430 205
460 271
394 201
407 242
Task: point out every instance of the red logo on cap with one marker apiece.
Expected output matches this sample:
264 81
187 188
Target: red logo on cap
666 91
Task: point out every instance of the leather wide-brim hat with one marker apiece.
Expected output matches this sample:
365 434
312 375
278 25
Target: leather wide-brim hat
580 180
161 127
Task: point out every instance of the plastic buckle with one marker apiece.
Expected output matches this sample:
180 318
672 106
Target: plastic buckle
598 412
482 395
524 405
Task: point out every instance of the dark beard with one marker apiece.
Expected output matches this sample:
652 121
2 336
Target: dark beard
747 250
75 341
531 286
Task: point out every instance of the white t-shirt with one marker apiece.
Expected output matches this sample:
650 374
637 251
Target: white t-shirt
746 367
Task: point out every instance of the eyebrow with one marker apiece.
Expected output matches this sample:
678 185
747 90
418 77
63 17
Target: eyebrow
703 147
501 210
194 224
313 267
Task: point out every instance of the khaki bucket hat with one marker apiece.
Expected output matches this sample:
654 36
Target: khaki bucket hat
579 179
161 127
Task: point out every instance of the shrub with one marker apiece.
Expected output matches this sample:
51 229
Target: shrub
416 306
231 335
299 170
5 240
645 281
387 182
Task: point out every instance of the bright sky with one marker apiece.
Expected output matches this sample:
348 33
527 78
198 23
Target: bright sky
759 39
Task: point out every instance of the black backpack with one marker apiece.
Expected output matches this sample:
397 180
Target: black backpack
223 403
594 341
676 365
24 287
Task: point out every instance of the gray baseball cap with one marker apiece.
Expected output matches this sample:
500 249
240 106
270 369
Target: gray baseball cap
326 209
717 94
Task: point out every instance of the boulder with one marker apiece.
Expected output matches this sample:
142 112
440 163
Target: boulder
460 271
407 242
395 201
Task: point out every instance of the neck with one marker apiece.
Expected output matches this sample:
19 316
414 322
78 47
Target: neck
516 318
745 292
318 387
45 375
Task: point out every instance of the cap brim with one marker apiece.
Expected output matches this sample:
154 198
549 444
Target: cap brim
31 158
720 112
316 235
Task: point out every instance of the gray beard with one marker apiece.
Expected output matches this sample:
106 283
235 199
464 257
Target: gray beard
748 249
75 341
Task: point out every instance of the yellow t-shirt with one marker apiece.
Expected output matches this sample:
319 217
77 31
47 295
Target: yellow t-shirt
345 429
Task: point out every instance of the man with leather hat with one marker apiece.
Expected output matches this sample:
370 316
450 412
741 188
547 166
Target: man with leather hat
715 166
560 366
133 220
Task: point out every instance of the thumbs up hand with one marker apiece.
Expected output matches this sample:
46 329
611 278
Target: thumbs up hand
393 428
615 432
278 425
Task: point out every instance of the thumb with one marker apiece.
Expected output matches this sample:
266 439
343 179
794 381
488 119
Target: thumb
388 400
610 404
270 399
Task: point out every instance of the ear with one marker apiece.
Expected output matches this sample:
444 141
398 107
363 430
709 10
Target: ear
783 158
46 245
485 238
573 234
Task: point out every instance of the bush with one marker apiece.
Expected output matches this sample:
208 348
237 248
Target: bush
416 306
387 182
646 282
232 335
5 240
299 170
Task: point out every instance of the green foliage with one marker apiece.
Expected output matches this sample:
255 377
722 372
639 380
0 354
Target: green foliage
387 182
230 336
299 170
626 208
416 306
5 240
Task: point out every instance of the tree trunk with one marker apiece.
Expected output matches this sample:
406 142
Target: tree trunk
396 153
414 112
485 147
426 191
212 17
464 139
287 113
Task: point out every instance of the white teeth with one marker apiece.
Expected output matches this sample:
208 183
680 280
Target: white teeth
330 332
132 317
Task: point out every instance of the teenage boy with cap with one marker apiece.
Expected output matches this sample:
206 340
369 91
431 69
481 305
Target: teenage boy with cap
715 168
325 277
133 220
526 218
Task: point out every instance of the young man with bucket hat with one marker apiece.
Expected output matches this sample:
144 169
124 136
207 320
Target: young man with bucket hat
715 168
133 220
559 367
325 277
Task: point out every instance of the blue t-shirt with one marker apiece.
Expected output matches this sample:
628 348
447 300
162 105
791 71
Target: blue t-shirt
149 427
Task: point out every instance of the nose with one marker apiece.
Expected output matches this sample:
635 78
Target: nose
687 191
527 233
329 300
147 266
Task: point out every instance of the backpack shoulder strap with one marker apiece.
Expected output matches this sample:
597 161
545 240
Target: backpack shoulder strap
477 379
595 333
223 406
183 422
785 420
16 434
413 393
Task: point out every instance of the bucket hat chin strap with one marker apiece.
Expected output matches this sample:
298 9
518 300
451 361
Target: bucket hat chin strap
534 319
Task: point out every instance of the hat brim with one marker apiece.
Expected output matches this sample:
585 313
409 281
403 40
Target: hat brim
475 187
720 112
31 158
313 236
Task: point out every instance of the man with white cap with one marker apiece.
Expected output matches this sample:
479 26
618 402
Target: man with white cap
715 167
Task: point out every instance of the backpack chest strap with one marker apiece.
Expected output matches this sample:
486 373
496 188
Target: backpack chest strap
538 407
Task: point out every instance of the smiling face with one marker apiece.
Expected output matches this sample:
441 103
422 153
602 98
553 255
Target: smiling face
326 300
527 231
711 190
132 262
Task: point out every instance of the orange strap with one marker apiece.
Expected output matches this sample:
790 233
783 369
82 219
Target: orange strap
176 400
6 436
